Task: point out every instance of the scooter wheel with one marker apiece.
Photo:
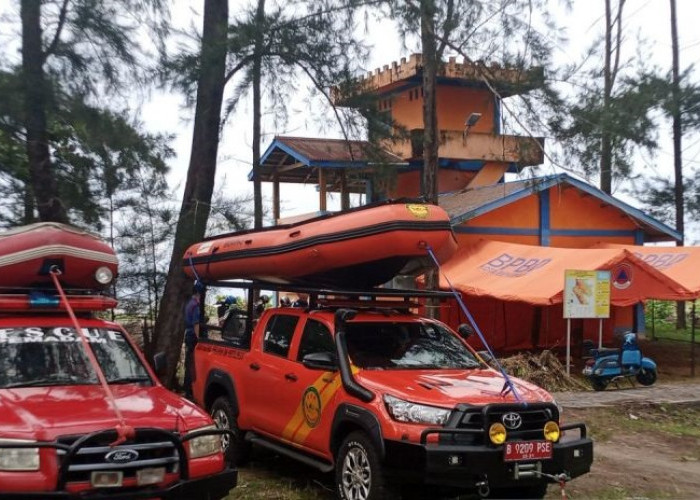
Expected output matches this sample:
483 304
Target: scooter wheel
646 377
598 384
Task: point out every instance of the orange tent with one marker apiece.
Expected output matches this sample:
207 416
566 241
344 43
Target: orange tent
681 264
515 292
534 274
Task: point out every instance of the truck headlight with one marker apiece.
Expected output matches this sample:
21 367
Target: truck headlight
202 446
18 459
405 411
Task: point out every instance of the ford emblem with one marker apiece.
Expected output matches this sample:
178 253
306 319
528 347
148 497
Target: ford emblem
123 456
512 420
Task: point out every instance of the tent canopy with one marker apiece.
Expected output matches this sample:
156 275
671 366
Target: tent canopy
681 264
535 275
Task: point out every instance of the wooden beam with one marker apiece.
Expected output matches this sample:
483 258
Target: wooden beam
321 190
286 168
275 197
344 194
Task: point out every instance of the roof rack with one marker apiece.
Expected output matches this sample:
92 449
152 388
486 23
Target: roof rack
373 293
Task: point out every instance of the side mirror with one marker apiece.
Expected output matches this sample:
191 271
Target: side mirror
160 363
320 361
465 331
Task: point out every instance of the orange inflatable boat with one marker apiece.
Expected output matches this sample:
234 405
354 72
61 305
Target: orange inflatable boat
359 248
27 254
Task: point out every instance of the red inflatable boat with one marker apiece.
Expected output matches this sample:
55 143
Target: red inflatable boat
359 248
27 254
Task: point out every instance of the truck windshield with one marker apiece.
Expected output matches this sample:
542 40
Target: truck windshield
51 356
407 345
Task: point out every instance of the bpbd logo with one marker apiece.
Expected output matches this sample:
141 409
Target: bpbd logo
512 266
622 276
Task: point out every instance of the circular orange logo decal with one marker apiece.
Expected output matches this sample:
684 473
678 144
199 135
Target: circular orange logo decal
311 406
418 211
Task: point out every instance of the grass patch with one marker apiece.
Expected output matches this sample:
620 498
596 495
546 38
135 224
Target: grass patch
676 420
664 330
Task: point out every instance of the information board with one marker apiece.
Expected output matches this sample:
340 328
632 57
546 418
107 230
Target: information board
586 294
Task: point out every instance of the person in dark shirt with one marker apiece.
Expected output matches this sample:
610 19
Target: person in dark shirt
192 320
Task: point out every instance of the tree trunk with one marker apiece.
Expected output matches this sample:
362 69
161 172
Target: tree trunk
191 226
605 137
41 174
430 132
257 103
677 151
430 150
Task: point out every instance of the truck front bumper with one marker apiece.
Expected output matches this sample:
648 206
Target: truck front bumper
211 487
470 466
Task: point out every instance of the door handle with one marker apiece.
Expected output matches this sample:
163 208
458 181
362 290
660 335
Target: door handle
291 377
254 366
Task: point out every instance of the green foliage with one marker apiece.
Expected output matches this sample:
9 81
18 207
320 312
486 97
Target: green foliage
95 153
90 51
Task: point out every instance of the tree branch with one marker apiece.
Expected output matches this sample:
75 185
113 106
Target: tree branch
59 28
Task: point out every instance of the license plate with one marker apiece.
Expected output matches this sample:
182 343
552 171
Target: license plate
588 370
517 451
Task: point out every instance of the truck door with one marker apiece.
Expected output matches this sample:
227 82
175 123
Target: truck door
271 375
311 396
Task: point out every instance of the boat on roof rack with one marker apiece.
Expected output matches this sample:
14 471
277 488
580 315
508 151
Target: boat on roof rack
358 248
29 253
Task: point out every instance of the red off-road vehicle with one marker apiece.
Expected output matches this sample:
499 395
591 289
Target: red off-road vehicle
389 400
86 426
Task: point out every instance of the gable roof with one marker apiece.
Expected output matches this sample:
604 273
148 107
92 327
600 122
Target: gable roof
467 204
297 159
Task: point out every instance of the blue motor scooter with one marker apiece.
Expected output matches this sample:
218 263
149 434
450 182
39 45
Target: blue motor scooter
608 365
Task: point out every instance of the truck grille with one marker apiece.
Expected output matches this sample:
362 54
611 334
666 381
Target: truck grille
478 419
153 449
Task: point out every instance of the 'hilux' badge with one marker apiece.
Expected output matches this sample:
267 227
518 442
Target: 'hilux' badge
122 456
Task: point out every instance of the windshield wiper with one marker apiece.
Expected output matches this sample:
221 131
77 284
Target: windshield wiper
132 379
50 381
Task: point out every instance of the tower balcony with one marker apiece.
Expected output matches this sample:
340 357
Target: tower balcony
524 151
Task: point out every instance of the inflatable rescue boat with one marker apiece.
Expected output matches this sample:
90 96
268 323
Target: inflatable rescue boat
360 248
28 253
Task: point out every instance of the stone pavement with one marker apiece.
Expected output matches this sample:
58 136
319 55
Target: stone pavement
657 393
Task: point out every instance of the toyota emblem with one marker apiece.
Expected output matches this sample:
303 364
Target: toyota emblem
122 456
512 420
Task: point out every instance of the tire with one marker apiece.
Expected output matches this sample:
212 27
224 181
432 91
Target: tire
599 384
236 449
536 491
646 377
358 470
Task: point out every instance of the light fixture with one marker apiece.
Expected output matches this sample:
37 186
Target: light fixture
471 120
469 123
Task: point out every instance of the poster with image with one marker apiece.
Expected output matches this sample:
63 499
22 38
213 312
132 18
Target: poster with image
586 294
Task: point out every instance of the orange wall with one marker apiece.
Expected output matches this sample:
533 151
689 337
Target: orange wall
572 208
454 105
408 184
523 213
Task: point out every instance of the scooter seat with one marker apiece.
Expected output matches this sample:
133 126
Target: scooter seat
607 351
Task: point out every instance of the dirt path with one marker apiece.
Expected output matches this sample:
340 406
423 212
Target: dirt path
640 465
659 393
634 464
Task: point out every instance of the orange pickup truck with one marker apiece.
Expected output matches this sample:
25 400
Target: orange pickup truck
390 401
